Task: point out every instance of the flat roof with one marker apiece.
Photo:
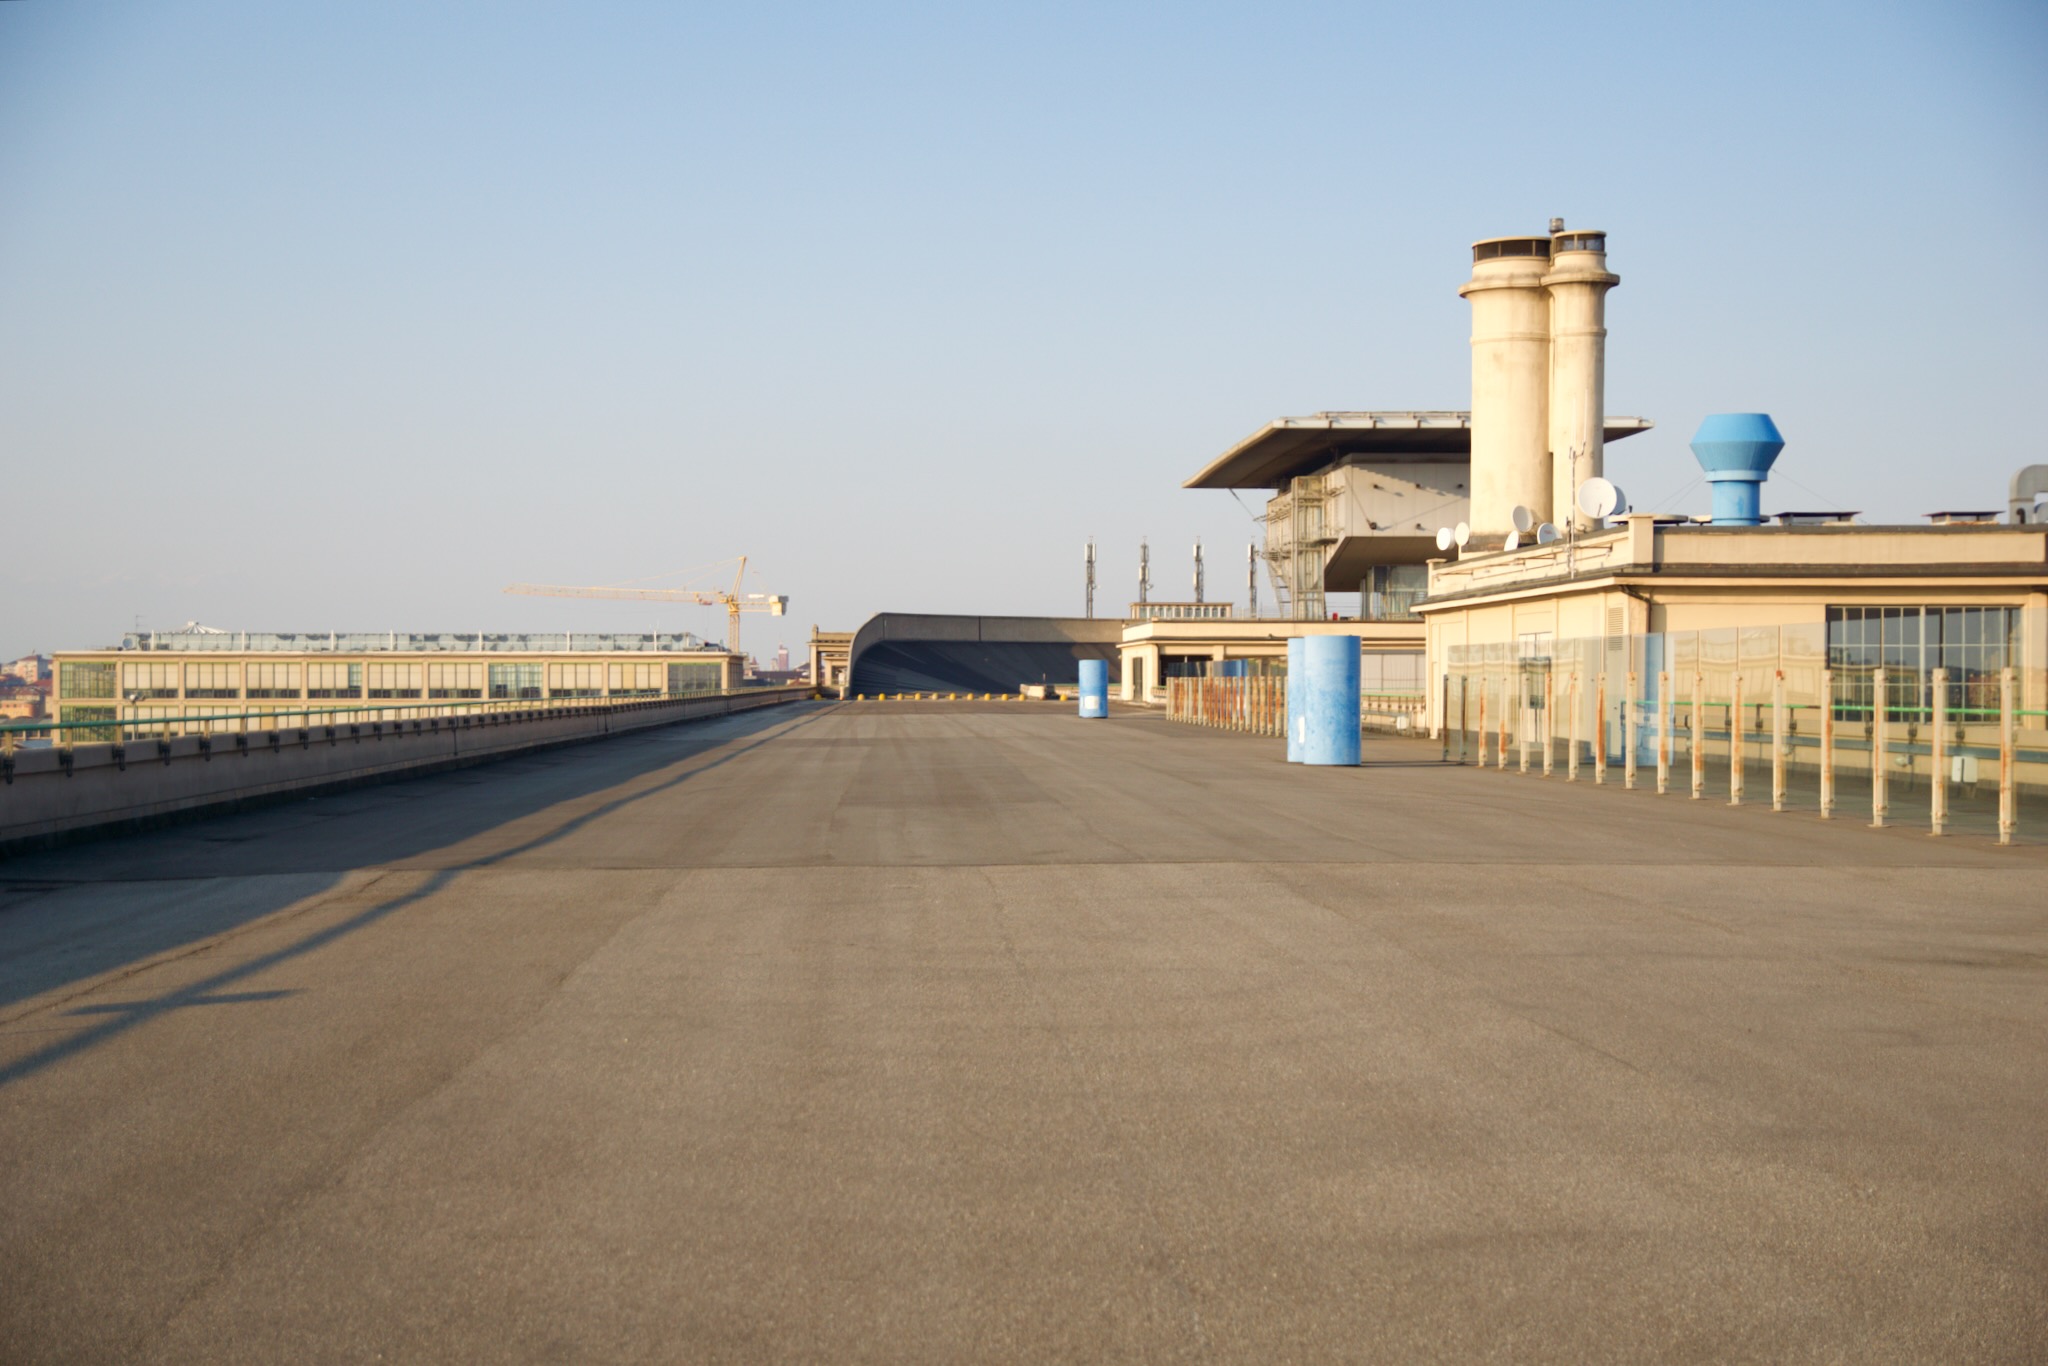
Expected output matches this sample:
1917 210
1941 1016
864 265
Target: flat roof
1291 446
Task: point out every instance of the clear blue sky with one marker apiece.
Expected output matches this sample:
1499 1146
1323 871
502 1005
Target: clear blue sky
346 316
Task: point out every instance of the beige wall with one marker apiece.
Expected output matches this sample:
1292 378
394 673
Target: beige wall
1152 642
830 656
1606 611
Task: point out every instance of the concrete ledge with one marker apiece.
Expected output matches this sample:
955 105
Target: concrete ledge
53 796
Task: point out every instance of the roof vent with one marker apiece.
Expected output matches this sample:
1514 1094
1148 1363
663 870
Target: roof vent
1736 451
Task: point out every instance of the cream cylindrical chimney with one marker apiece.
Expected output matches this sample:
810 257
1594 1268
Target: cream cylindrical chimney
1578 283
1510 381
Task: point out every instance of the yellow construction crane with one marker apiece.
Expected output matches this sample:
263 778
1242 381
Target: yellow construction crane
735 601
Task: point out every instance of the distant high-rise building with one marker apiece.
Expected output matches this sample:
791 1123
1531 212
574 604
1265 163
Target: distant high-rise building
782 659
28 669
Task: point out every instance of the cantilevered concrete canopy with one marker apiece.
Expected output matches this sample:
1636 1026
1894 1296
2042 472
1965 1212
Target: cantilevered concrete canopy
1291 446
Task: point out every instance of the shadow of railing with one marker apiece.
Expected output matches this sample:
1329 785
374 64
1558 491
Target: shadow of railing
304 850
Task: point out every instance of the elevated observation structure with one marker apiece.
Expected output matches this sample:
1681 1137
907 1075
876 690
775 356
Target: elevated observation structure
1357 498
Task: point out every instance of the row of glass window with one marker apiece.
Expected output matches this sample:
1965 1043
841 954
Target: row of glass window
1909 643
329 681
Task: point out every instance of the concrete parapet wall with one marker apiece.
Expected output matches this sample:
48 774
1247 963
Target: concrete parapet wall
51 795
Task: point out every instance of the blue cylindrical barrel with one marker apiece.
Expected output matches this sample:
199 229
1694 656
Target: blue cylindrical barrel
1094 687
1327 721
1293 699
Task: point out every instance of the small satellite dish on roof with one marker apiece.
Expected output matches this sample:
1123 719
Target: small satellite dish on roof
1546 533
1461 534
1443 538
1598 499
1523 519
1514 541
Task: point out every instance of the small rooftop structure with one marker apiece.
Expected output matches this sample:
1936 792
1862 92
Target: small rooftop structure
1962 518
1291 446
1182 611
1815 518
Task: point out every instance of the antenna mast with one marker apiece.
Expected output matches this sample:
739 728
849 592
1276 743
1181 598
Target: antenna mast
1198 570
1091 579
1144 572
1251 576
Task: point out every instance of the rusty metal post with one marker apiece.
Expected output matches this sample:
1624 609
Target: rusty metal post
1735 740
1571 761
1549 720
1778 740
1481 730
1464 715
1628 735
2008 761
1827 744
1937 792
1443 718
1880 748
1600 728
1522 722
1500 748
1699 752
1663 732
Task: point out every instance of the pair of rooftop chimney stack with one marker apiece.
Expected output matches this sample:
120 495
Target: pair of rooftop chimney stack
1539 374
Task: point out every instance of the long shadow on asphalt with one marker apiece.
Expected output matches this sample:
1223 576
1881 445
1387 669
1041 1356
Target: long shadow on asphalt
51 937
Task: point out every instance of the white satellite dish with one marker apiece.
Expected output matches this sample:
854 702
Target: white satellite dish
1598 499
1461 534
1546 533
1523 519
1514 541
1443 538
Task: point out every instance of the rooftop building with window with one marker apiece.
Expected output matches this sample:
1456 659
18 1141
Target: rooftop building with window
191 678
1701 605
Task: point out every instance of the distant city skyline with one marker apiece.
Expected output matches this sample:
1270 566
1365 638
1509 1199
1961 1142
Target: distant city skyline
349 318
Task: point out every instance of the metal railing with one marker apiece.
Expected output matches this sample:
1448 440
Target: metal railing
1257 705
1249 704
1713 735
121 729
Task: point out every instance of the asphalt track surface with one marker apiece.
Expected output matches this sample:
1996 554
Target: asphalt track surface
956 1032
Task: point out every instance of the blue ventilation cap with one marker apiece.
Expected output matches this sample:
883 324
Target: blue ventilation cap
1737 445
1736 451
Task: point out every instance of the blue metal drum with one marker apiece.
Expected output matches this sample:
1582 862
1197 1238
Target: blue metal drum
1293 699
1327 719
1094 687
